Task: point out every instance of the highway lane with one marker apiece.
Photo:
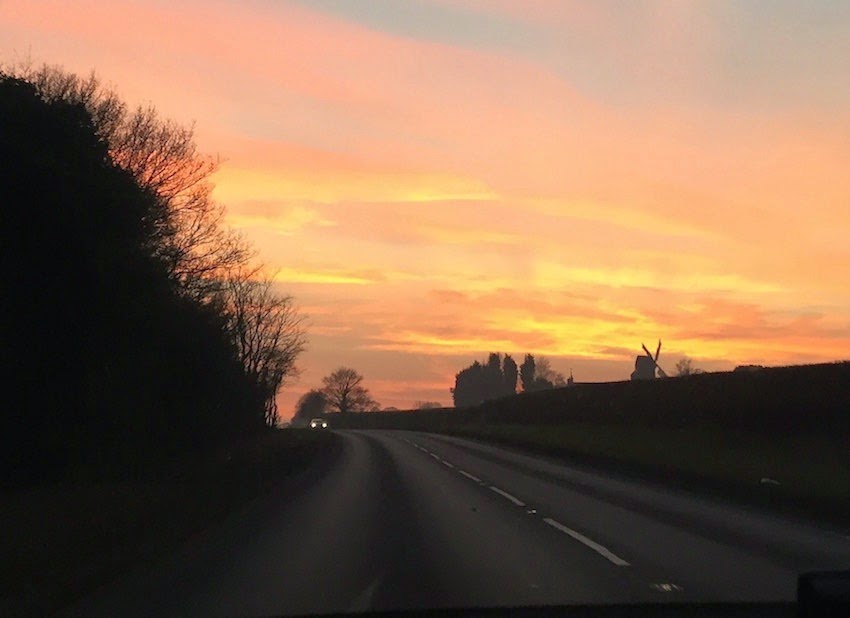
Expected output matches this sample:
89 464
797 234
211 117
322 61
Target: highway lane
406 520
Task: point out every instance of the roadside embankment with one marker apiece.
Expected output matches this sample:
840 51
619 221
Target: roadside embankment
63 540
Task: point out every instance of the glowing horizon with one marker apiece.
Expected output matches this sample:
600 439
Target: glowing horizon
451 178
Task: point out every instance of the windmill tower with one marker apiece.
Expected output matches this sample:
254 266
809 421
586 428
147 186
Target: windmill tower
647 365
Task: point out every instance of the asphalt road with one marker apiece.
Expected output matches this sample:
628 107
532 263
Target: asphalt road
406 520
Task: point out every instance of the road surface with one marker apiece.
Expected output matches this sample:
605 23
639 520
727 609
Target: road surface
406 520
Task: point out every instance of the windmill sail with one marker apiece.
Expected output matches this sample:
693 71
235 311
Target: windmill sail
649 360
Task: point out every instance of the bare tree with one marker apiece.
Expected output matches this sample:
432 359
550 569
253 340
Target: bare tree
268 332
344 392
206 261
543 371
52 83
197 247
192 240
685 367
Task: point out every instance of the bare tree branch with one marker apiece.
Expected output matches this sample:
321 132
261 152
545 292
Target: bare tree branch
268 331
192 240
344 393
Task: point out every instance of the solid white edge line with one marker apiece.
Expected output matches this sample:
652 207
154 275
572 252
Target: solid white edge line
435 456
446 463
471 477
586 541
505 494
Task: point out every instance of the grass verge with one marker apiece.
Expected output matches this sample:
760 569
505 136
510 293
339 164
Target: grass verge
812 471
64 540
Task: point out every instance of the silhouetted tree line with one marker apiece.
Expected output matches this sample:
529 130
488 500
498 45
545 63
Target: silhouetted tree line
427 405
498 376
494 378
132 322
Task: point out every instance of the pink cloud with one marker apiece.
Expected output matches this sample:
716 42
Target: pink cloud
428 202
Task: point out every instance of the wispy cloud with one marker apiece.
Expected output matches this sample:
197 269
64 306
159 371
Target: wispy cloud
556 177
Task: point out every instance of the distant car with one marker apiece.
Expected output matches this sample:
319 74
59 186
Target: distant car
318 423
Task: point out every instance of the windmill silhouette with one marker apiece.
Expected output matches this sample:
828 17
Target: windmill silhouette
647 365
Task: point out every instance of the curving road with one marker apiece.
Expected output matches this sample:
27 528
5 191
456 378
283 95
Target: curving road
405 520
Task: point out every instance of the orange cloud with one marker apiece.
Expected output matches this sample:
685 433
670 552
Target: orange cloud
610 181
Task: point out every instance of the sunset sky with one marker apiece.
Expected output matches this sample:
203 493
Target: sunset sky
437 179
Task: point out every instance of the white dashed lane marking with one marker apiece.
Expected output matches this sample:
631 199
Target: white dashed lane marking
471 477
505 494
603 551
666 587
